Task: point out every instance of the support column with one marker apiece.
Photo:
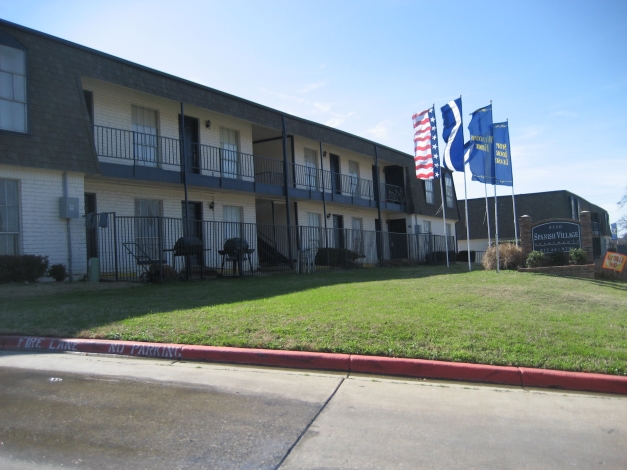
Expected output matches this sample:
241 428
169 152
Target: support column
525 235
585 219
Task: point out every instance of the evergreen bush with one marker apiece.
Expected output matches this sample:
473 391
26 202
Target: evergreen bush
535 259
22 268
578 256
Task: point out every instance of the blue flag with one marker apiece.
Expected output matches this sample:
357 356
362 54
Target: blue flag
453 135
614 231
481 159
502 156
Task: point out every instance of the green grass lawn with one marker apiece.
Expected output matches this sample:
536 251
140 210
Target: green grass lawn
509 318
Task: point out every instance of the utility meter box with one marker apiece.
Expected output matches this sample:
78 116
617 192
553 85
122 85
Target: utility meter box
68 207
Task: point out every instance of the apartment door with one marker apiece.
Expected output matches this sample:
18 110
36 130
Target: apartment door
192 150
91 229
193 226
397 229
338 231
336 177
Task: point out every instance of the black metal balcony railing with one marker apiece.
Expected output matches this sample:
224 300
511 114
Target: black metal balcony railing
149 150
314 179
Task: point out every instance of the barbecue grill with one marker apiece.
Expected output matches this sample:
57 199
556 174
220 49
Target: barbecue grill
236 250
188 246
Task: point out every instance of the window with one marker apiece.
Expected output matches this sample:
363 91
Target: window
12 88
311 168
144 123
314 233
448 230
9 218
353 173
233 218
147 212
448 184
429 191
229 142
427 226
574 208
358 235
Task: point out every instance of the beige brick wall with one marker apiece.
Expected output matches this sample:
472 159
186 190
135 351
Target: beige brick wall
42 232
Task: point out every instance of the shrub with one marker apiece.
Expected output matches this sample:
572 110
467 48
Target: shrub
335 256
22 268
510 257
557 258
58 272
439 257
578 256
463 256
535 259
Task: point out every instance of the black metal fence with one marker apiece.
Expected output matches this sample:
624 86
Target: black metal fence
162 248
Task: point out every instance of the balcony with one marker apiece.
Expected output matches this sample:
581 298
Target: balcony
131 154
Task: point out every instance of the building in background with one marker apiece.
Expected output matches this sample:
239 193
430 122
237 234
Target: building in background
91 167
539 206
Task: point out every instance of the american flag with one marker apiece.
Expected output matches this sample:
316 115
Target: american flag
426 155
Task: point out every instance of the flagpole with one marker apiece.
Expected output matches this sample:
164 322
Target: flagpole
448 264
496 207
444 218
513 194
465 196
487 210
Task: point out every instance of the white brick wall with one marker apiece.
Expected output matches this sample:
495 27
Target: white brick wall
42 231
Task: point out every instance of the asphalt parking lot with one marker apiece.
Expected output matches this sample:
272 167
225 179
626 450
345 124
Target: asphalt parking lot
91 411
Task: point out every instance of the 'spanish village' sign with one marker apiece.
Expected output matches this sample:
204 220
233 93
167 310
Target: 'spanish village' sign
556 236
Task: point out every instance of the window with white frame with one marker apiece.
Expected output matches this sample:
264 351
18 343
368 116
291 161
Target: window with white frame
314 232
448 185
147 218
429 191
353 173
358 235
233 216
448 230
426 224
9 217
229 143
311 169
144 122
12 89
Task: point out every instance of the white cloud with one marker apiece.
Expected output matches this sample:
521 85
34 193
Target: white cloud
381 130
569 114
313 86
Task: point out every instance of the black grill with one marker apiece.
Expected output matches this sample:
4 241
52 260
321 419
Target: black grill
234 245
188 246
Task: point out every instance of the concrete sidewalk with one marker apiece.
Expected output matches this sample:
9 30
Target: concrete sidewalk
112 412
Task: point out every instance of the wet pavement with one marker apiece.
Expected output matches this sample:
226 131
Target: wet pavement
91 412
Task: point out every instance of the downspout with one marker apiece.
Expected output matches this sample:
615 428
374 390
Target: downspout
69 231
324 198
378 194
287 191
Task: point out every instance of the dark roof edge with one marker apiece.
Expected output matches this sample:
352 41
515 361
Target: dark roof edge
533 194
189 82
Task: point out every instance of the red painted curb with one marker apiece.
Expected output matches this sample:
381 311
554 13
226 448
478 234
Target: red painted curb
436 369
268 357
418 368
544 378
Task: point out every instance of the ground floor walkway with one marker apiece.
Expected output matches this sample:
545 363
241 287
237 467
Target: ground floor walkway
63 410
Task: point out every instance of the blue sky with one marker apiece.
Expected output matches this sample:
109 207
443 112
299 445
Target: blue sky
556 69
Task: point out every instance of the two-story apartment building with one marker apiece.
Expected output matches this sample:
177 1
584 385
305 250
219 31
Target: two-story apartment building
146 158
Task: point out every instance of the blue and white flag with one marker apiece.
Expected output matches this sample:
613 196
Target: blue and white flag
481 159
614 229
453 135
502 156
